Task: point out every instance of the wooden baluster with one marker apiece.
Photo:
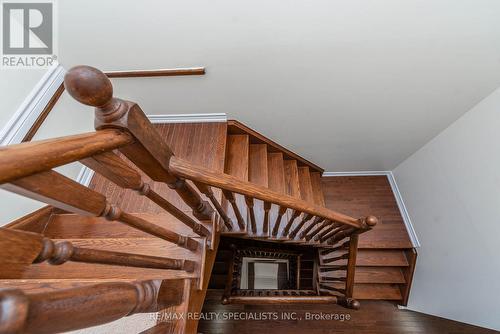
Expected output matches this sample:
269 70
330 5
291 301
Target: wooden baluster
267 208
315 223
59 191
112 167
331 227
351 265
334 279
207 191
313 233
231 199
337 258
82 307
327 234
331 288
333 268
64 251
341 235
294 216
345 245
149 152
250 205
305 219
276 227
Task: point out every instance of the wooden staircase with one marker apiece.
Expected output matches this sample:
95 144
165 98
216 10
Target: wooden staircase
145 233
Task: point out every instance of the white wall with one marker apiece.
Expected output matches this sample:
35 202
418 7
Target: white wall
451 188
67 118
351 85
15 85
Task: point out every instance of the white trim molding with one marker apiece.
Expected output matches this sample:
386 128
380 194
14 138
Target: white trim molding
397 195
27 113
188 118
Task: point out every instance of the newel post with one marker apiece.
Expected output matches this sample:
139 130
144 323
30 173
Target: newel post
149 152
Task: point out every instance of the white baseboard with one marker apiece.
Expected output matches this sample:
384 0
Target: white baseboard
188 118
86 174
397 195
26 115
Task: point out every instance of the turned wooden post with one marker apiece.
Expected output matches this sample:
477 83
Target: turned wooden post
149 152
115 169
82 307
313 224
250 206
277 223
351 265
295 215
56 189
62 252
296 230
265 223
232 200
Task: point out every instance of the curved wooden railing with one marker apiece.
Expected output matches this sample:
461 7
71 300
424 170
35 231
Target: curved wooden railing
122 129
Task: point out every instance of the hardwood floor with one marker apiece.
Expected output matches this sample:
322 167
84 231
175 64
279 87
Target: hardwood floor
374 317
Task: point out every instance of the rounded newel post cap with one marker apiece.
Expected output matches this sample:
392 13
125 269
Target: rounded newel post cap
371 221
355 305
89 86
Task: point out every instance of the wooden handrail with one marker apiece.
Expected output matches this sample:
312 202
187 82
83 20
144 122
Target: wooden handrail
166 72
227 182
17 161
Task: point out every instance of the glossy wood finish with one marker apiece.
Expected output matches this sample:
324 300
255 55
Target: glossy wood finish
115 169
231 183
237 153
35 221
59 253
64 193
202 143
43 115
149 152
168 72
258 174
97 304
351 265
236 127
374 317
115 74
24 159
358 195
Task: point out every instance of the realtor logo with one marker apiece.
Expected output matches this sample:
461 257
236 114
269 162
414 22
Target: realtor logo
27 34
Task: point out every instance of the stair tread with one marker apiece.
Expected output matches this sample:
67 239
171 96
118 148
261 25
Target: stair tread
257 165
276 172
292 185
377 291
258 174
379 275
237 152
319 198
73 226
371 291
371 257
305 184
383 257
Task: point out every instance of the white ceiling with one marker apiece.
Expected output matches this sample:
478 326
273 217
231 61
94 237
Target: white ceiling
351 85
